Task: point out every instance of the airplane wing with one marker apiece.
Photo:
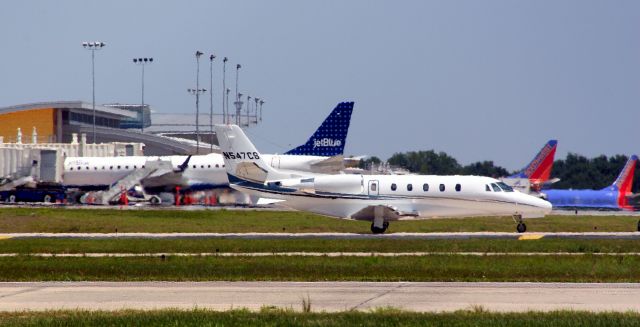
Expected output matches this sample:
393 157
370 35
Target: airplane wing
389 213
330 165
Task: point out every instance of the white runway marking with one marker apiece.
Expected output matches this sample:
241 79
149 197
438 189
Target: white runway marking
329 296
425 236
312 254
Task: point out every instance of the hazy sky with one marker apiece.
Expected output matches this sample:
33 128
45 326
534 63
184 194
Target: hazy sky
480 80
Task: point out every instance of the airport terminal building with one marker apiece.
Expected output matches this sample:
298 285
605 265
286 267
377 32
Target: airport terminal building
57 121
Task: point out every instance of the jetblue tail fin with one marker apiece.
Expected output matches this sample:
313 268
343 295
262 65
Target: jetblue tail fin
539 169
330 138
242 161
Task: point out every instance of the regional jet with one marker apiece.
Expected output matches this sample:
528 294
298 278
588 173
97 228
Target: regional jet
376 198
323 152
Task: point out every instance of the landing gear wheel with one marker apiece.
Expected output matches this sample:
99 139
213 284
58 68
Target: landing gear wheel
155 200
521 228
47 198
378 230
12 198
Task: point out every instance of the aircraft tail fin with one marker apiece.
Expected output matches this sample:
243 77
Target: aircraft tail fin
539 169
625 180
242 160
330 138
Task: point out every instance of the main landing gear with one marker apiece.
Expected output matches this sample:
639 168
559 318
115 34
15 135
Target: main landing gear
379 226
379 230
522 227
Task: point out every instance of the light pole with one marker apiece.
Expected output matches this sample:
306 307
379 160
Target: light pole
93 46
197 93
261 103
256 109
238 103
211 57
142 62
248 109
239 109
224 88
227 99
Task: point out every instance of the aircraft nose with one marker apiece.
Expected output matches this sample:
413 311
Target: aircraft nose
538 203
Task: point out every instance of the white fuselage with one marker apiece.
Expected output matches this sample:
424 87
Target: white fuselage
203 170
347 196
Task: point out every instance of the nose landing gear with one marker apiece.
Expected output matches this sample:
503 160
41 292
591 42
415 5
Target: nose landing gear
522 227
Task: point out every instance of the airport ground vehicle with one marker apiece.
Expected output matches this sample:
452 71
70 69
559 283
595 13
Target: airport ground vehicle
41 192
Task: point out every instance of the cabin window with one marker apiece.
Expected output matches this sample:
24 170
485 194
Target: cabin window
495 187
126 167
79 168
441 187
87 167
217 166
208 166
409 187
110 167
103 167
222 166
71 168
202 166
458 187
95 168
194 166
487 188
425 187
505 187
135 166
393 186
142 167
374 187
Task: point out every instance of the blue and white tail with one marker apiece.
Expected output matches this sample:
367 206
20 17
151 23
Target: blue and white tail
330 138
242 160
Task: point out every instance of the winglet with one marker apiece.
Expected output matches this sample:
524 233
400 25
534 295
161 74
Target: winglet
330 138
538 170
184 165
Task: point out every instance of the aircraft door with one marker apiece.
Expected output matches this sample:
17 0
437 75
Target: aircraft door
275 162
374 187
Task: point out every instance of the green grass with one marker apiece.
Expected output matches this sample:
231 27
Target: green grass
62 220
279 317
586 268
188 245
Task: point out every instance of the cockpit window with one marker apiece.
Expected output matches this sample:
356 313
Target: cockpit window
505 187
487 188
495 187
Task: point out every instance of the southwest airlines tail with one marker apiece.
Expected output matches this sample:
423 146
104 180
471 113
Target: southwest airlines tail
624 182
330 138
539 169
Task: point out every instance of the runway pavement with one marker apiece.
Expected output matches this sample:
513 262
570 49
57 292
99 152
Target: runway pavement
337 236
328 296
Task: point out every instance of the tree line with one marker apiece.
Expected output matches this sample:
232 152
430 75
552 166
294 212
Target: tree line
575 171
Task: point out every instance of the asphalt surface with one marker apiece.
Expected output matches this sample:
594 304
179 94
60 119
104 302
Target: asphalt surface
421 236
328 296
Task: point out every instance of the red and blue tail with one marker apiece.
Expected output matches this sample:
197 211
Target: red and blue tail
539 169
624 182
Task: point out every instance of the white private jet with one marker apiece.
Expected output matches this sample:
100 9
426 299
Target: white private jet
321 153
376 198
